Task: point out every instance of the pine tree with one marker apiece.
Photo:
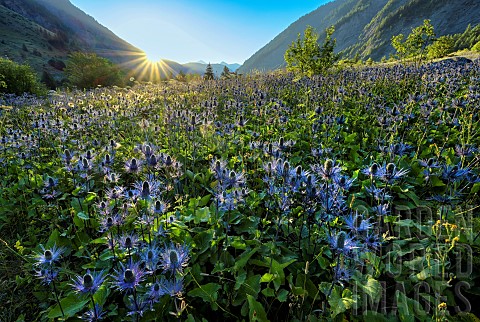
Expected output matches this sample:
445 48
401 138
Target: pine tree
226 72
209 73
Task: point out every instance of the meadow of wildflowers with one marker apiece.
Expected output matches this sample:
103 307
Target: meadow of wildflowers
349 196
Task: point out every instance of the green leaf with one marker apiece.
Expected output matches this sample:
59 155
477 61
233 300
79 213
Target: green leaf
54 238
90 196
201 215
256 311
70 305
204 201
373 288
83 216
340 301
101 295
405 311
267 277
242 260
282 295
208 292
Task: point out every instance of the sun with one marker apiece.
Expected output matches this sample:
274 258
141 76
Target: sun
153 57
148 67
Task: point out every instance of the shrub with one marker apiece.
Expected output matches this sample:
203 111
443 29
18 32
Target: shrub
441 47
476 47
306 57
18 79
87 70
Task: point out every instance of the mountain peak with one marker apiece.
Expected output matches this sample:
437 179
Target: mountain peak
365 27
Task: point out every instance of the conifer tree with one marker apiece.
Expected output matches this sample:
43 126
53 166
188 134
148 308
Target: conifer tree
226 72
209 73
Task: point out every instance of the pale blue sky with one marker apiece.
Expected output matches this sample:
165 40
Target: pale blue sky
189 30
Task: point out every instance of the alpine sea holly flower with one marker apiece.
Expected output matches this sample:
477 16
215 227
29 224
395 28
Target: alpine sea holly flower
328 170
390 173
381 210
174 258
88 283
430 163
159 207
147 189
129 241
154 293
357 224
50 183
47 274
372 240
343 274
115 193
136 306
377 193
48 256
173 288
132 166
150 256
147 150
454 173
464 151
373 171
94 314
129 276
341 243
343 182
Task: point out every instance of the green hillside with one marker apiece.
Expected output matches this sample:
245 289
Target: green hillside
364 28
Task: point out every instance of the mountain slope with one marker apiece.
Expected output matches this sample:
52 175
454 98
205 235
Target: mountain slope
43 32
365 27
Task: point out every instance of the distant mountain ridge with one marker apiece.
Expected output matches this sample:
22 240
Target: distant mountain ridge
43 32
365 27
54 28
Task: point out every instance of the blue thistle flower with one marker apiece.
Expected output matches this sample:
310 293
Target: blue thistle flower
47 274
94 314
132 166
341 243
154 293
357 224
174 258
150 257
381 210
49 256
173 287
343 274
129 241
129 276
390 173
328 170
454 173
88 283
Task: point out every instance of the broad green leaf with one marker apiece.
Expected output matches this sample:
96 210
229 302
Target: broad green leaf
256 310
70 305
83 216
242 260
208 292
373 288
340 301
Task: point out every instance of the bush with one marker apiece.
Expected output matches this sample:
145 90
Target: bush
87 70
476 47
18 79
305 57
441 47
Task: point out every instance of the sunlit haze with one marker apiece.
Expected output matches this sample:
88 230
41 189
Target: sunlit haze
189 31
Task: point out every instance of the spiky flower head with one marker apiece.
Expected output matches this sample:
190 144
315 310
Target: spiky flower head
48 256
88 283
174 258
129 276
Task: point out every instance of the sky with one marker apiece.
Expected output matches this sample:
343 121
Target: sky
194 30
